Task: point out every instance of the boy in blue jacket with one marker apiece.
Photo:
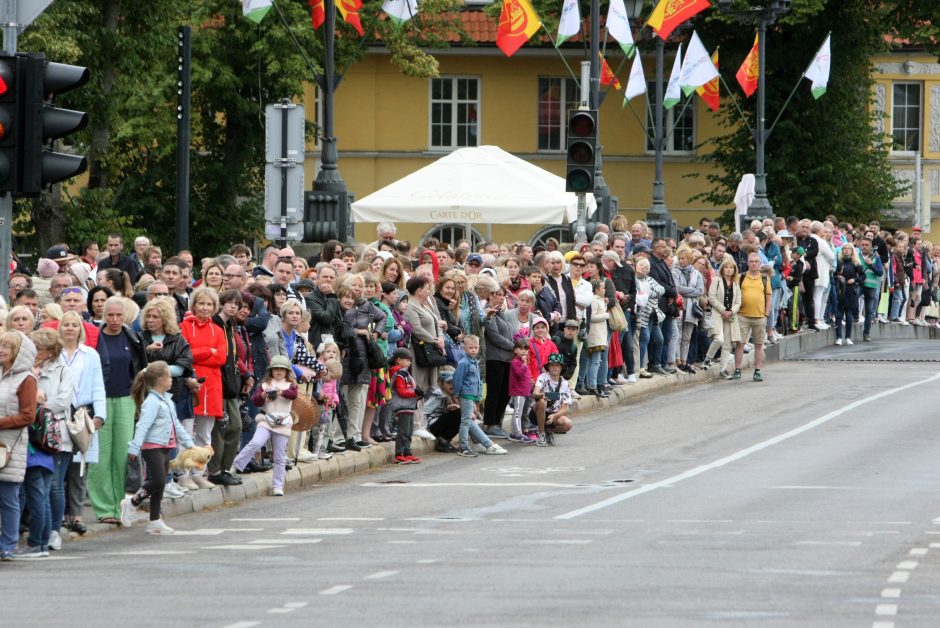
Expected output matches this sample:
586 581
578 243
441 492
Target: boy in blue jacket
469 389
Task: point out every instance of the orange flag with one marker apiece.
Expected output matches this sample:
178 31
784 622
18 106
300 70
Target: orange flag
607 75
517 23
668 14
749 71
350 11
317 13
709 91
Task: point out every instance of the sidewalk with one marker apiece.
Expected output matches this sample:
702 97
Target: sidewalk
350 463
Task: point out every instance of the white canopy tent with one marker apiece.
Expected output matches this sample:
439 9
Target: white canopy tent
481 185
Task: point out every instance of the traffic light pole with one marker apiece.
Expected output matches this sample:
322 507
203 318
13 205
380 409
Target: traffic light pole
183 116
10 35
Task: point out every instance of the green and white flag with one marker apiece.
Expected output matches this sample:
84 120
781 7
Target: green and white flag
672 95
618 25
637 83
570 22
818 70
697 67
255 10
400 11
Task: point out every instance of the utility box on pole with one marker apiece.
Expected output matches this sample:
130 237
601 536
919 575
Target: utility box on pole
285 149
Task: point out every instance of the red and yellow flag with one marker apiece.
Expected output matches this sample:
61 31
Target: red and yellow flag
517 23
317 13
607 75
350 11
709 91
749 71
668 14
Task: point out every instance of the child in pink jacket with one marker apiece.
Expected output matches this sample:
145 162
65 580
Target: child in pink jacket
520 388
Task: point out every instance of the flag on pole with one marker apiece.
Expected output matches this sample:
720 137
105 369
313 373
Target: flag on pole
618 25
350 12
255 10
749 71
399 11
697 67
570 22
709 91
637 83
668 14
518 21
818 70
607 75
673 94
317 13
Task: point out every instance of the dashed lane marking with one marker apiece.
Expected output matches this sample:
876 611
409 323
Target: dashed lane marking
246 547
426 561
557 541
290 607
285 541
317 531
267 519
907 564
151 553
351 519
886 609
213 531
243 624
334 590
883 624
918 551
891 593
378 575
832 543
473 485
899 577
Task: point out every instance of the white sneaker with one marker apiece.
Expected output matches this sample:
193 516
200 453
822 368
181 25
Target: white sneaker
495 450
177 485
848 341
306 456
575 395
324 455
186 482
631 379
903 322
277 492
423 433
159 528
128 512
55 541
839 342
822 325
621 379
172 491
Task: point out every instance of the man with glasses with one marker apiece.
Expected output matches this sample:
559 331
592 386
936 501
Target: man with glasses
157 289
474 263
756 294
234 277
18 282
58 284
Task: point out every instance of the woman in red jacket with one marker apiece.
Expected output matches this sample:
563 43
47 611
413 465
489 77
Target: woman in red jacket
207 341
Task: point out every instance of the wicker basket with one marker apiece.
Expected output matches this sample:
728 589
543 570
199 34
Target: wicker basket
305 411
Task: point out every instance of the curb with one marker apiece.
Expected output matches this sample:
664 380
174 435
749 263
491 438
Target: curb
308 474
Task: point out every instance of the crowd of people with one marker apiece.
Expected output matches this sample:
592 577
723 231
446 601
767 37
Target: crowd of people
461 345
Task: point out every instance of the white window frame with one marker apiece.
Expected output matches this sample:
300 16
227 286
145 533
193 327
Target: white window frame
563 122
669 121
920 117
454 102
434 232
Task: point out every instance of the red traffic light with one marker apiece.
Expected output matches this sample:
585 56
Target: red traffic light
582 123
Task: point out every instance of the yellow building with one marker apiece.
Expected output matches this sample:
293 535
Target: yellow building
392 125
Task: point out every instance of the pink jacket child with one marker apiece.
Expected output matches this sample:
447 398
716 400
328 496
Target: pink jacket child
520 378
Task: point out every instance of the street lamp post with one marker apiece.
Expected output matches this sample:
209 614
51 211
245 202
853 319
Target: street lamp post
760 206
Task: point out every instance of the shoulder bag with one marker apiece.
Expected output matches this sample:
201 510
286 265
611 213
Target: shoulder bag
618 321
7 452
427 355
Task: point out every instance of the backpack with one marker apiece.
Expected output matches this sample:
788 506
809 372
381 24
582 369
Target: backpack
763 280
44 433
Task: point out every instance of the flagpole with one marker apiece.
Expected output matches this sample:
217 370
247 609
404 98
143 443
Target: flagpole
688 101
797 86
563 60
736 105
637 116
300 48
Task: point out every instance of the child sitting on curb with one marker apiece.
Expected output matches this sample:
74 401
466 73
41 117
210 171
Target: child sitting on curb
552 398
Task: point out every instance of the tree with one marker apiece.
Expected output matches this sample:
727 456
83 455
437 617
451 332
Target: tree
824 156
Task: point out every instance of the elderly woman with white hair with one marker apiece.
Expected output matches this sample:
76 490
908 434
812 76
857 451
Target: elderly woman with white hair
648 319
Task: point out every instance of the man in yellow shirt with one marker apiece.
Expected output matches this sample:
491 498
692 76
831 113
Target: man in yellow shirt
752 317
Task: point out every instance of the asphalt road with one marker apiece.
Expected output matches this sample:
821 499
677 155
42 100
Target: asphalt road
810 499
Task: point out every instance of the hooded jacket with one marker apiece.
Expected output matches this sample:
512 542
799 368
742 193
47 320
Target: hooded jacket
17 410
209 349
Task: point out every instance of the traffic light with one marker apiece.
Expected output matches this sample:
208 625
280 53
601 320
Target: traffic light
10 117
582 150
43 122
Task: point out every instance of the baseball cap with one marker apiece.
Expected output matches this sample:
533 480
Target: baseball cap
58 252
641 248
783 233
539 320
305 284
475 257
572 323
799 251
688 230
917 229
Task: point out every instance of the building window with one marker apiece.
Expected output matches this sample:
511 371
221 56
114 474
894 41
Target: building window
451 232
455 105
560 233
905 117
678 124
557 96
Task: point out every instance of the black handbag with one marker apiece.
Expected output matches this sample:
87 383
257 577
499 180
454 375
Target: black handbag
374 354
427 355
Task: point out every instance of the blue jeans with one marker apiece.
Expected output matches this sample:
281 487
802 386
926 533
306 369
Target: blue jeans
626 344
468 426
602 372
594 364
35 493
61 462
668 328
898 301
9 515
651 337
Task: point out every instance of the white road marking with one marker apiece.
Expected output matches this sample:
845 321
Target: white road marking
243 624
339 588
150 553
818 488
886 609
426 561
899 576
53 557
699 521
248 547
213 531
378 575
907 564
401 542
557 541
833 543
471 485
891 593
935 545
919 551
272 519
324 531
285 541
691 473
883 624
351 519
290 607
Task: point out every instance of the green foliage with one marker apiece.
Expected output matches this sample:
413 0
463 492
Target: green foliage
824 156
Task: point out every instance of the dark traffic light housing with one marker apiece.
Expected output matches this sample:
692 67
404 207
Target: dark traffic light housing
582 150
10 123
